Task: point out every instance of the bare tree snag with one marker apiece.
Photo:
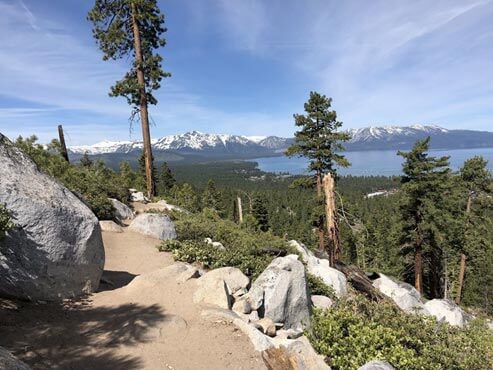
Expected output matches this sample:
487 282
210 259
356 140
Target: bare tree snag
331 219
321 234
418 270
358 279
240 211
63 146
144 113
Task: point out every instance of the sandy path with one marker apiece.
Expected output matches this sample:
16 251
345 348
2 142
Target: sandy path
121 328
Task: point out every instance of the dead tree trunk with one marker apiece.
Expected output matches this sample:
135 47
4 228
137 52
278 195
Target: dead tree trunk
63 147
321 236
358 279
144 113
331 219
462 269
240 211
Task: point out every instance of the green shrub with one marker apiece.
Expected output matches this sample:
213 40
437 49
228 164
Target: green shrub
5 221
249 251
355 331
317 287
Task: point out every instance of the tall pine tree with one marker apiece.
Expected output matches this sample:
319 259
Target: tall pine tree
320 141
165 179
133 29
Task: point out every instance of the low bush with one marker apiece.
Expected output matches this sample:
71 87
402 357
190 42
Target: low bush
249 251
316 286
355 331
5 221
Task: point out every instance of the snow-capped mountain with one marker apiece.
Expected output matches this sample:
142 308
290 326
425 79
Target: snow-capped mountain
195 143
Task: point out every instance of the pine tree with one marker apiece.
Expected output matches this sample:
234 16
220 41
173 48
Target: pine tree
127 175
133 29
186 197
425 184
211 198
477 191
260 213
165 179
320 142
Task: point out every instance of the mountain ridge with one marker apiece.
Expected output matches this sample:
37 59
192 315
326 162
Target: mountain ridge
368 138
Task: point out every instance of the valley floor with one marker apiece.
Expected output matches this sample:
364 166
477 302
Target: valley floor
123 328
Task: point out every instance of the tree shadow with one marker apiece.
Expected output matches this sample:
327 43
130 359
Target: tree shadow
74 335
111 280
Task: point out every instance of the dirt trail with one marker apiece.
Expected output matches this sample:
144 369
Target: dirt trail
121 328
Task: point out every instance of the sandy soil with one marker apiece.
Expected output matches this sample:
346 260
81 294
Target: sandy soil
121 328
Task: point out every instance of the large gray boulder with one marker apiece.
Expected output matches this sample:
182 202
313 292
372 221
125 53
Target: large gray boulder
155 225
377 365
284 290
56 250
10 362
321 268
122 211
445 310
404 295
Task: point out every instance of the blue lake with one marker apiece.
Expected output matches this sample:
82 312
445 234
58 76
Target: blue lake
366 163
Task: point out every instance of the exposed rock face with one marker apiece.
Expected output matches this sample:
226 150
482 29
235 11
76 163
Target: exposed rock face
284 288
110 226
445 310
403 294
155 225
377 365
56 249
218 286
321 268
321 301
9 362
138 196
122 211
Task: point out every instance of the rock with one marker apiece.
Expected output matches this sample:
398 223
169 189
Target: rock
216 245
56 250
445 310
110 226
377 365
321 301
289 333
330 276
155 225
171 207
139 197
191 273
10 362
293 355
404 295
321 268
242 306
255 297
217 286
284 288
266 326
155 278
260 341
219 315
122 211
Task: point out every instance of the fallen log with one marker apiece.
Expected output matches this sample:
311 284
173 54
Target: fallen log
359 280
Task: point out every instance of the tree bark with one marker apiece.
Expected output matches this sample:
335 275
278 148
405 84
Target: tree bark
63 150
418 269
462 269
240 211
358 279
331 219
321 236
144 113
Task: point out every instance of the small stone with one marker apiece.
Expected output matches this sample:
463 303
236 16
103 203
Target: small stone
242 306
321 301
266 326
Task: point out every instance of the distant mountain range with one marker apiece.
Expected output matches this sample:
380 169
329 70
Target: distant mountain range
200 146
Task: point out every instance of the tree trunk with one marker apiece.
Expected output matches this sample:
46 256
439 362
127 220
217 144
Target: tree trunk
240 211
330 215
144 114
63 150
462 269
321 236
418 269
462 272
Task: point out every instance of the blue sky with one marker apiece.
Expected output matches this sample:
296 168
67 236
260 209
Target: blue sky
245 66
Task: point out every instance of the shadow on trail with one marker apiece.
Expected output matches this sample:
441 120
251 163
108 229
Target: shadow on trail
75 335
114 279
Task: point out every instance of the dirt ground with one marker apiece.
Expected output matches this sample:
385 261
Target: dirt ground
121 328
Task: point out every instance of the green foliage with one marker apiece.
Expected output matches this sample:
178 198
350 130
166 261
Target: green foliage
260 213
165 180
128 177
317 287
112 21
185 196
249 251
95 183
5 221
211 197
318 140
355 331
